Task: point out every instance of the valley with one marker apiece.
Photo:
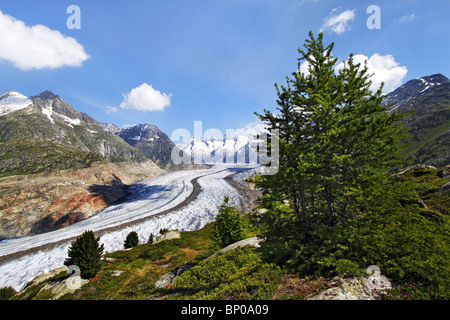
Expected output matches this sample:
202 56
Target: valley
23 259
63 173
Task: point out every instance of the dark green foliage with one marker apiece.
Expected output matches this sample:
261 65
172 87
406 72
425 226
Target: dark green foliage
6 293
85 252
333 207
131 240
150 238
409 242
237 274
335 134
230 227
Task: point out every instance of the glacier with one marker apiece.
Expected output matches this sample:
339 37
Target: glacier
150 197
13 101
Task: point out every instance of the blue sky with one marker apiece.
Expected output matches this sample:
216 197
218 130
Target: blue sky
171 63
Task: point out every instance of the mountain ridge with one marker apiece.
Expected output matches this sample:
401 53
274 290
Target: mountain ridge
148 139
50 118
429 99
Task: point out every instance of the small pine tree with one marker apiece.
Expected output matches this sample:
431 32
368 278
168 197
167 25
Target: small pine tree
131 240
85 252
230 227
150 238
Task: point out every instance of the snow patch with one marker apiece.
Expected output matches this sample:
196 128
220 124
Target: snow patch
48 111
12 101
69 121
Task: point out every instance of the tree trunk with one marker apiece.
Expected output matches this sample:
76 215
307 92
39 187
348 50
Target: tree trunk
329 199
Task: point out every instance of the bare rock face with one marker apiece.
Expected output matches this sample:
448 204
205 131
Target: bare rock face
33 204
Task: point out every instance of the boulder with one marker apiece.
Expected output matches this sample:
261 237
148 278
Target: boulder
171 276
254 242
68 285
173 234
445 187
364 288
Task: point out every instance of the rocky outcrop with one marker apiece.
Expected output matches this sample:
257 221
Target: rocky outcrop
172 234
57 287
366 288
445 188
254 242
171 276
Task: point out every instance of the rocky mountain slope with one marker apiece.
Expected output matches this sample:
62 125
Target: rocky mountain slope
429 97
31 204
58 165
147 138
44 131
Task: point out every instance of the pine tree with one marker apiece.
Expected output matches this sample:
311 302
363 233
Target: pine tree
230 227
85 252
131 240
335 136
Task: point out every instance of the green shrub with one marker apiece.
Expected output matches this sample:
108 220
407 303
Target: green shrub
236 274
230 227
6 293
131 240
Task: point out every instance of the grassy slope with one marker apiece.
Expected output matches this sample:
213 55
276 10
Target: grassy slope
28 156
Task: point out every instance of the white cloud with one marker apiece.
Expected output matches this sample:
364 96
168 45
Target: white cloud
111 109
338 23
407 18
384 69
252 128
304 67
145 98
37 47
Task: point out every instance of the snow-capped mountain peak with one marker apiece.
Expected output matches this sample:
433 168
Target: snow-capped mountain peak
13 101
227 149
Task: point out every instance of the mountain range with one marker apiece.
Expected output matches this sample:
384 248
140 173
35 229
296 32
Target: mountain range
429 125
231 148
148 139
45 134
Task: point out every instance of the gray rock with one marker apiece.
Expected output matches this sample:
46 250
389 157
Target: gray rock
445 187
171 276
364 288
173 234
116 273
254 242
